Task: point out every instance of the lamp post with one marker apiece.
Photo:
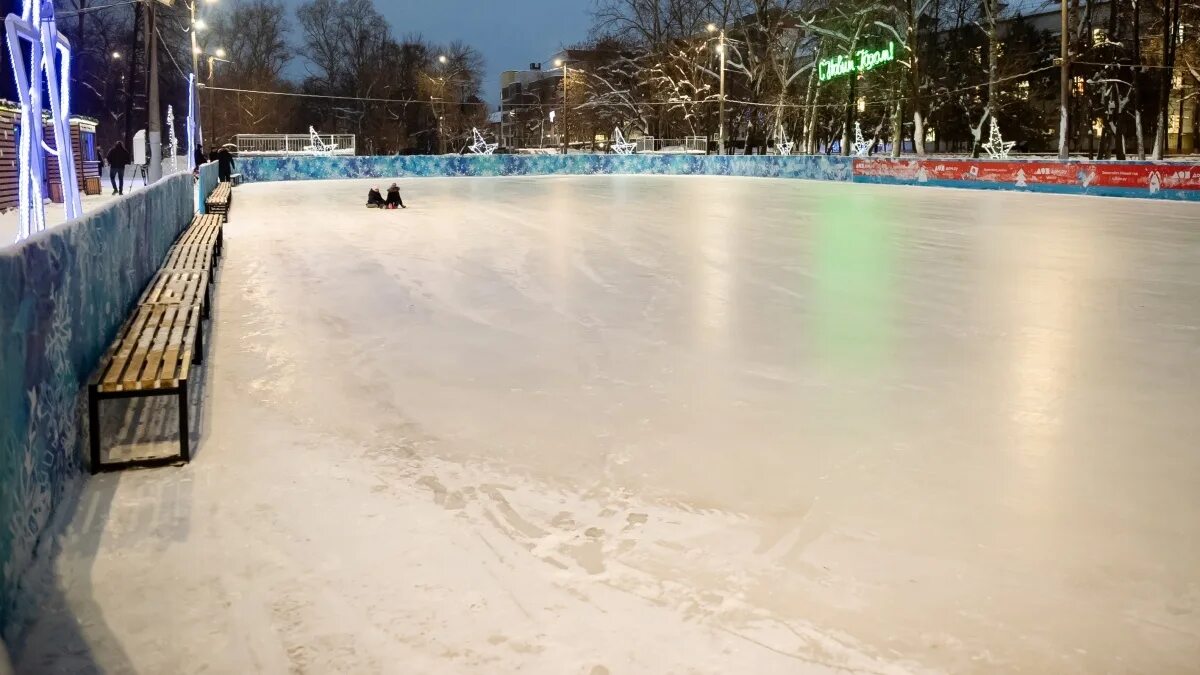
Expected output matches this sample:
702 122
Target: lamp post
444 61
196 25
217 55
566 127
712 28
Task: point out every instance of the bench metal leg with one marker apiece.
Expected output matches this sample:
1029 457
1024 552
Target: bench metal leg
185 451
94 427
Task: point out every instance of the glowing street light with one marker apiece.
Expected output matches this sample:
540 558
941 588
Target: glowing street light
562 63
116 55
712 28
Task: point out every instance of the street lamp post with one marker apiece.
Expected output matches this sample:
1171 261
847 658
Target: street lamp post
566 127
218 55
712 28
194 27
441 83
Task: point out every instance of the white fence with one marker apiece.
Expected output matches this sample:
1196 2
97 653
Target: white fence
294 144
690 145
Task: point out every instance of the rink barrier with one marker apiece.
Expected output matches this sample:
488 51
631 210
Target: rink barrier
63 294
1156 180
812 167
1150 180
206 183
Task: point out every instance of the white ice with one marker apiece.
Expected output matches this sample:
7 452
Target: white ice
663 425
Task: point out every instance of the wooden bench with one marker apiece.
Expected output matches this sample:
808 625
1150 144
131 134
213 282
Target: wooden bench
236 179
190 259
218 201
152 356
178 287
205 230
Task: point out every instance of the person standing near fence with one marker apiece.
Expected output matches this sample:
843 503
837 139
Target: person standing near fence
225 165
118 159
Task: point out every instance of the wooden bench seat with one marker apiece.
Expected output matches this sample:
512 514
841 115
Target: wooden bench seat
218 201
174 287
151 356
184 258
205 230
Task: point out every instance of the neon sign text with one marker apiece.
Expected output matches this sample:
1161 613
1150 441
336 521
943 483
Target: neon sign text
862 61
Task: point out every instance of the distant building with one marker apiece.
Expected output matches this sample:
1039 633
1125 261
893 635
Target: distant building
528 97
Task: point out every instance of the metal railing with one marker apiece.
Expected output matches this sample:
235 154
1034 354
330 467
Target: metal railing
691 145
294 144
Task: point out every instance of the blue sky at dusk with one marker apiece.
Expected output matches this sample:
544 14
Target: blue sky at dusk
509 33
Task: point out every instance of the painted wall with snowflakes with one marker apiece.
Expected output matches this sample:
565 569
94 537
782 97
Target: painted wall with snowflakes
814 167
63 294
1156 180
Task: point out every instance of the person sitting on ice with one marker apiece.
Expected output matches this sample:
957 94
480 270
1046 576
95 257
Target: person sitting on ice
393 198
375 199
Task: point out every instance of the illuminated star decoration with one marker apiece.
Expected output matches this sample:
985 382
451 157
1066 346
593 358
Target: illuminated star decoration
861 147
481 146
619 145
37 27
174 140
194 134
316 146
784 146
997 147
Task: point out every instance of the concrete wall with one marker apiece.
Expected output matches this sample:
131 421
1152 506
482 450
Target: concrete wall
1161 180
63 295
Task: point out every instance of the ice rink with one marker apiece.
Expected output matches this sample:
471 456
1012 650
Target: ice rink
609 425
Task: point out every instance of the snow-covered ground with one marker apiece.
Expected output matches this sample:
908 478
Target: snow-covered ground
665 425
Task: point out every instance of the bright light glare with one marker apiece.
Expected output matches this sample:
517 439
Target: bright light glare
200 25
712 27
220 53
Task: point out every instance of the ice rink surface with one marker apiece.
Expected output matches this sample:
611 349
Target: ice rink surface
668 425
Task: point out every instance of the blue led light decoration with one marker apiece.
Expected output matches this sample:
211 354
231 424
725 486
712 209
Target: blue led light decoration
37 27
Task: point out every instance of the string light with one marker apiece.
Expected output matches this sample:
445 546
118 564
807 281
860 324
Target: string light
619 145
481 146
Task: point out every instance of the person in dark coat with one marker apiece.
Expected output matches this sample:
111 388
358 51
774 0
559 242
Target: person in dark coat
393 198
118 159
200 157
375 199
225 165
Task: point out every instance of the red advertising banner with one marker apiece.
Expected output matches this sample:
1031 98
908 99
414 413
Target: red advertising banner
1021 174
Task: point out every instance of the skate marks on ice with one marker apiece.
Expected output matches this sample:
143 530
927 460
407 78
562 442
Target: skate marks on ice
698 563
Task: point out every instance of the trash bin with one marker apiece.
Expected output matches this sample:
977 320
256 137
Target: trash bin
56 193
91 185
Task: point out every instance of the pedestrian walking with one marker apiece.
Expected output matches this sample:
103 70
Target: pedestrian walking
225 165
118 159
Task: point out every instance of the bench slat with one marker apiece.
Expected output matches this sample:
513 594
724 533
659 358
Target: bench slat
175 287
153 351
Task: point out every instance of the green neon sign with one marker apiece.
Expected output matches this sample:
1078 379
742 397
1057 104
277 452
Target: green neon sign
862 61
